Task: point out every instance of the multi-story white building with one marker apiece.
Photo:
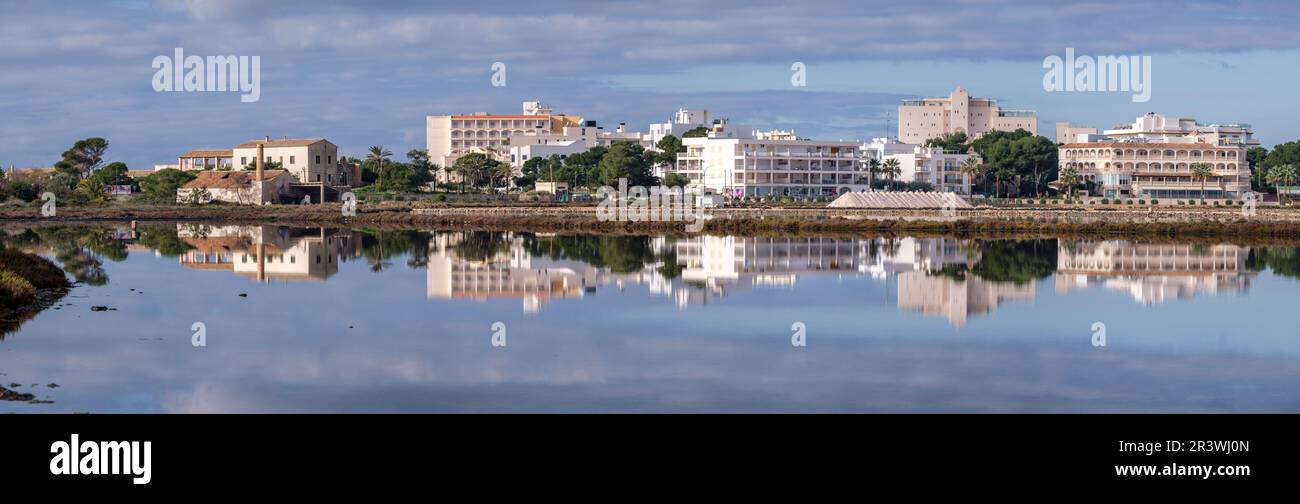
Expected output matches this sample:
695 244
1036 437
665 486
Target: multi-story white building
931 165
732 162
448 137
926 118
683 121
567 141
1154 158
1156 127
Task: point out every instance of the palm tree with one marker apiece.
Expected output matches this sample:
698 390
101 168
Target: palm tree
505 171
378 154
1281 176
1202 172
891 168
873 167
972 168
1068 179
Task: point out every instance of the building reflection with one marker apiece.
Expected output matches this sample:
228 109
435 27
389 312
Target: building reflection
1153 273
934 278
500 266
266 253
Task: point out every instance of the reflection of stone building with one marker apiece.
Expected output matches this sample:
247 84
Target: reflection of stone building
934 278
510 271
1153 273
940 295
267 252
714 265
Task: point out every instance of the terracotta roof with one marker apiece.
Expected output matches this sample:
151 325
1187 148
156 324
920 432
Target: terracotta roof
229 179
139 173
206 153
1139 145
288 142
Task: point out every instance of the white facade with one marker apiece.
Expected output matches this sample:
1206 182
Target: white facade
1158 128
932 165
684 120
733 163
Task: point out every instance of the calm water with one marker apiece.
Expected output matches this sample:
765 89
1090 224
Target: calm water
403 321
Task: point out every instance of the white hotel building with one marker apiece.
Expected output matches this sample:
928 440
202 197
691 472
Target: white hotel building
731 161
918 163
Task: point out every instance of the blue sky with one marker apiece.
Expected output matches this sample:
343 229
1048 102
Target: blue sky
367 73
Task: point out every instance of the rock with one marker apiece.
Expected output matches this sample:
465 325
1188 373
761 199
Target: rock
98 308
9 395
243 294
53 385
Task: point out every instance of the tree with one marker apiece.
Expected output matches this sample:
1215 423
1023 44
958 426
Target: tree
111 175
378 154
505 172
1069 178
668 147
1012 154
161 186
1255 157
1202 172
676 180
872 167
419 163
698 131
891 168
83 158
972 168
473 167
951 142
626 160
1281 176
266 165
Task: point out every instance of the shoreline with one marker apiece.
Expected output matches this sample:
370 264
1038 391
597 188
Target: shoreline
1106 221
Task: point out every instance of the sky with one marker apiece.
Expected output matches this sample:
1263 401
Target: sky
367 73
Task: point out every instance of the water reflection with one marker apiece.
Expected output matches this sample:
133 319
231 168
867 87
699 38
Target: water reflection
398 320
266 253
1154 273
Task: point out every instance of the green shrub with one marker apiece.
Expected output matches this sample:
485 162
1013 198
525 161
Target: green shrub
1105 201
22 275
1155 201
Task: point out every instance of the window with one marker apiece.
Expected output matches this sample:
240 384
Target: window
329 159
317 159
291 161
243 161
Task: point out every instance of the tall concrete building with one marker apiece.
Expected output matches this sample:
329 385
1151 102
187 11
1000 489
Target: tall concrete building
926 118
448 137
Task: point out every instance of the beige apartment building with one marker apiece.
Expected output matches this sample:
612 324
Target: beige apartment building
1065 133
926 118
448 137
